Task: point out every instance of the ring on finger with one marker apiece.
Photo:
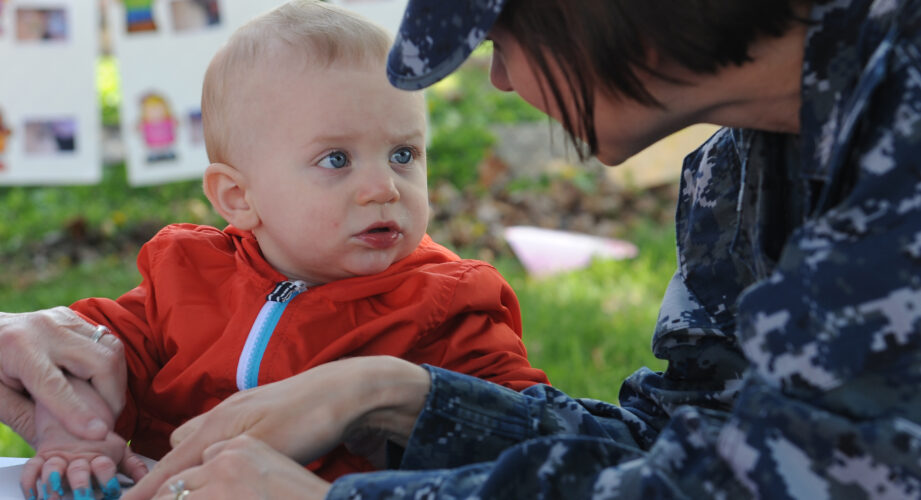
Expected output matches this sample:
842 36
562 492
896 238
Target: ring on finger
99 332
182 494
178 487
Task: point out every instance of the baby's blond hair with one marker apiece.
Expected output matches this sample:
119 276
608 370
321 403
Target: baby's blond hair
322 34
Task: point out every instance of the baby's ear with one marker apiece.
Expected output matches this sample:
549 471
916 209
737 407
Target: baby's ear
225 188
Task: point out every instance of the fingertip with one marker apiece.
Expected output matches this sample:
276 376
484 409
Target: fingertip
28 477
112 490
95 429
137 469
83 494
81 422
54 481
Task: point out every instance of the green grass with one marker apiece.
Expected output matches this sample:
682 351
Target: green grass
589 329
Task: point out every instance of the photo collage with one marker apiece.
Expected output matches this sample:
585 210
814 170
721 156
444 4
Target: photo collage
50 124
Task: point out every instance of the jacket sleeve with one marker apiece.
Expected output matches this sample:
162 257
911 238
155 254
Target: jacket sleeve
479 332
828 408
131 319
474 439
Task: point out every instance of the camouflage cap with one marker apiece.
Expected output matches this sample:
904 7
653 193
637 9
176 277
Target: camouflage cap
435 37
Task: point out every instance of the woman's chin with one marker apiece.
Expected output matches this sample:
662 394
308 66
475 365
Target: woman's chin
609 159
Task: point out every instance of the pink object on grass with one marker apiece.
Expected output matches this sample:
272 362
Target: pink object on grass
546 251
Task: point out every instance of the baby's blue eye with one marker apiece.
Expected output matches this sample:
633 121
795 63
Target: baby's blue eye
402 156
336 159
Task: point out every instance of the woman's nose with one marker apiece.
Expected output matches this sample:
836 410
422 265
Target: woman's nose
498 74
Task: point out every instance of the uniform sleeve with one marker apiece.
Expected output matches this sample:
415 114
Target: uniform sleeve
480 332
479 440
131 318
828 408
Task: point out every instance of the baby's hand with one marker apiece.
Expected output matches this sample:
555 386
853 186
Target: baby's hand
62 456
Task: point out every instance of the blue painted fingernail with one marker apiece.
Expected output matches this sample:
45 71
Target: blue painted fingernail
44 487
55 478
112 490
32 494
83 494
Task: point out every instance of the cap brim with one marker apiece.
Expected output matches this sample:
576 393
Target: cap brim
437 36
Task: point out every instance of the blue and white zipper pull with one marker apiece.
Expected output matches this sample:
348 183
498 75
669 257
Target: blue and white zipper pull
261 331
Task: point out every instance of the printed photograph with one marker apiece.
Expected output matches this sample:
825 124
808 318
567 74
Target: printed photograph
41 24
194 15
139 16
196 132
55 136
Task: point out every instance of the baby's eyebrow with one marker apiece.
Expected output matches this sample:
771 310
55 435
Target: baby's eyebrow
409 137
344 137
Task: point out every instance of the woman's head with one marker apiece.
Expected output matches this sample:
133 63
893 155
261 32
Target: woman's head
578 49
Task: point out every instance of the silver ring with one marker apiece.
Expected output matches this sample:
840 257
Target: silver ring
178 488
99 332
182 494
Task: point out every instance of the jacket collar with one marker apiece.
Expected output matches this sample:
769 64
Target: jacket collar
252 264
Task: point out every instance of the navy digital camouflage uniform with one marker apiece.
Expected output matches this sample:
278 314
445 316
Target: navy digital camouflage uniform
792 327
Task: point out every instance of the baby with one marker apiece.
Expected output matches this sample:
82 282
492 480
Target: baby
318 165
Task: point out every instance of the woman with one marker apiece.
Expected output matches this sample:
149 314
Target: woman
791 327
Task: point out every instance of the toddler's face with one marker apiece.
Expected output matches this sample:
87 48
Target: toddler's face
335 162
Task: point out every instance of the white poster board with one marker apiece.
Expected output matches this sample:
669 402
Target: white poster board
163 48
50 122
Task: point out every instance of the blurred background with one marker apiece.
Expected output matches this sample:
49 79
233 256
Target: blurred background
494 162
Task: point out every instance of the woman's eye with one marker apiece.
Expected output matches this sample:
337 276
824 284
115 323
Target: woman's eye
402 156
336 159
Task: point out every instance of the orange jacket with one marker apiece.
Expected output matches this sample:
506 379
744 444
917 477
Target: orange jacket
185 327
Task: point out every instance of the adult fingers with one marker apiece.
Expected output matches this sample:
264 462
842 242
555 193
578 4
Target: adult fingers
18 412
186 455
219 424
28 478
101 362
193 480
52 389
187 429
236 469
36 347
78 477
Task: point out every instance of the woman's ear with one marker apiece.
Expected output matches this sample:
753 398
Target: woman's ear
226 188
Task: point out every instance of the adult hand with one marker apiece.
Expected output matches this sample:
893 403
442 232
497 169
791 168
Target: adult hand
62 460
244 468
305 416
37 350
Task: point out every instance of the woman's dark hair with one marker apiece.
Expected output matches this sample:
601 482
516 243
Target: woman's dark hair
602 43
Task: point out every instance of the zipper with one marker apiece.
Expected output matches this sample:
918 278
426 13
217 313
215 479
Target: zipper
260 333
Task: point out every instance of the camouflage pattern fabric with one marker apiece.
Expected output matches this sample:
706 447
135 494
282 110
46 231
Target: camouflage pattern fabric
436 36
792 326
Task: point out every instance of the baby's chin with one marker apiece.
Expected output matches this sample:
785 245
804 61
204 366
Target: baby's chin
375 262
